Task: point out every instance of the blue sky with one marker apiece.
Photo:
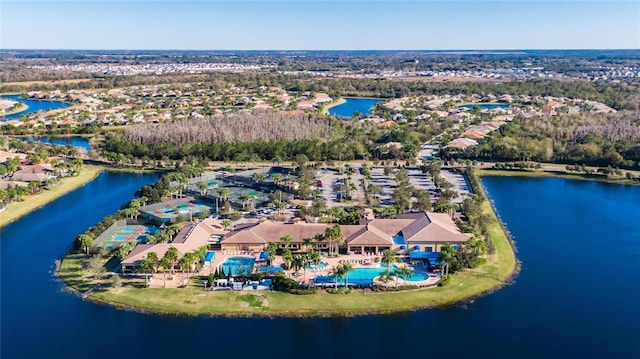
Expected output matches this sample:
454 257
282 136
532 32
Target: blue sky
320 25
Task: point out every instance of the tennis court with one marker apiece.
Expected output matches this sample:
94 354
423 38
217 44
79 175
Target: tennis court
129 233
167 214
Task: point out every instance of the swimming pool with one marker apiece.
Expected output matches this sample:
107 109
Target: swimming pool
238 265
366 276
320 265
418 276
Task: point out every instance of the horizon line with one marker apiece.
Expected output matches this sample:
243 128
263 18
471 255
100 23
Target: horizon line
310 50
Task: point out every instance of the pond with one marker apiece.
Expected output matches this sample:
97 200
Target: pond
75 141
353 105
576 296
33 105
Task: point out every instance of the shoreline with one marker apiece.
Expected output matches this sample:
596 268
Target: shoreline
330 105
554 174
23 107
17 210
463 287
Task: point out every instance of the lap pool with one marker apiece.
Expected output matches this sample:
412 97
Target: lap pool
365 276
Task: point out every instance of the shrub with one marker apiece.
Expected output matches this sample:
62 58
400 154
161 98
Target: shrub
340 291
303 291
394 289
478 262
443 282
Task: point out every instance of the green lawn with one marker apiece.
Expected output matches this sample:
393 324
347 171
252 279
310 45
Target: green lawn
31 202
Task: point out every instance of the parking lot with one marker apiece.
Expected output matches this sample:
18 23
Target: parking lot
331 183
459 183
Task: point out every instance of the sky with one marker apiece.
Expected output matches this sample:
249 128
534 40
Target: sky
319 25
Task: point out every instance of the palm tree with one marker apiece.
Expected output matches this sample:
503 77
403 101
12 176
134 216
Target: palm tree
226 224
286 240
346 267
224 193
172 256
277 178
404 272
184 264
272 248
287 257
388 258
153 258
341 271
334 233
203 187
306 261
244 198
147 267
307 243
319 238
276 160
447 253
164 264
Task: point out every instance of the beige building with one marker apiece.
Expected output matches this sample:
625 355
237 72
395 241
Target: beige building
192 237
423 231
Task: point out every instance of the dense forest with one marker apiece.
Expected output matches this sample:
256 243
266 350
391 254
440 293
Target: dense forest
264 136
231 127
600 140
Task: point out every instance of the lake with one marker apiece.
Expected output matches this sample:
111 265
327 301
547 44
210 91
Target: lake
34 106
485 106
578 293
75 141
353 105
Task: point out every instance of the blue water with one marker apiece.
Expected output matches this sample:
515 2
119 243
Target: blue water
320 265
485 106
366 275
576 297
353 105
75 141
34 106
270 269
238 265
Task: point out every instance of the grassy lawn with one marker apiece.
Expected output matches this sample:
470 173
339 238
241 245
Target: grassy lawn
18 209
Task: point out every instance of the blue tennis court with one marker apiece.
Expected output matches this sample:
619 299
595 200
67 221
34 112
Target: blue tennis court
119 237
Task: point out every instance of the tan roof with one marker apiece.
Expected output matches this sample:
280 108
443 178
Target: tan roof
415 227
4 155
269 231
433 227
200 231
369 235
391 227
191 238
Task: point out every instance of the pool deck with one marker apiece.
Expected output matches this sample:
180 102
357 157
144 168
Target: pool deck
357 260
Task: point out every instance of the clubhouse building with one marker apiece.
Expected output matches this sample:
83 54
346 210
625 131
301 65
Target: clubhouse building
409 232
